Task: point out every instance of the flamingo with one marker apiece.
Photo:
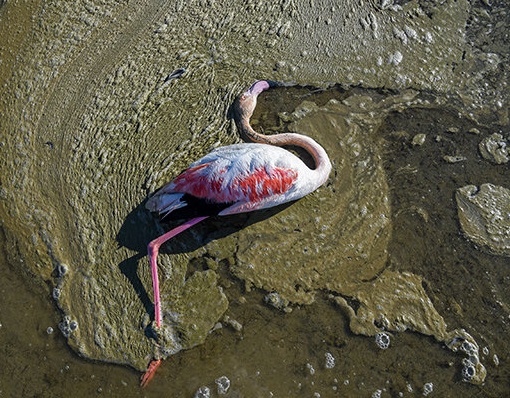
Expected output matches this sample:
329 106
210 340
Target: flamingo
236 179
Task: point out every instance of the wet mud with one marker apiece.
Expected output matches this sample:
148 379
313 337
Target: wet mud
391 278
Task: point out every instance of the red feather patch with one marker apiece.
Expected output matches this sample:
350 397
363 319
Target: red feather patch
255 186
261 183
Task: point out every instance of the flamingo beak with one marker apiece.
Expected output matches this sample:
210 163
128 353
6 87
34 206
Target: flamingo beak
257 87
262 85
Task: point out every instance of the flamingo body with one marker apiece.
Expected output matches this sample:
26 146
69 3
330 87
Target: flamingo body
244 177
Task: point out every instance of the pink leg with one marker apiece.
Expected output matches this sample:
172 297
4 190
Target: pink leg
153 249
150 372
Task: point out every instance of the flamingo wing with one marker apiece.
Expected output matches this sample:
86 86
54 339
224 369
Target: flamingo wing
264 187
245 176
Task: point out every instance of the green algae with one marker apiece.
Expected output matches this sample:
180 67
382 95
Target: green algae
94 124
201 305
484 215
338 236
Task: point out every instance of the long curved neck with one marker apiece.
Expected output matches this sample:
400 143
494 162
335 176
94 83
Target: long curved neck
243 109
320 157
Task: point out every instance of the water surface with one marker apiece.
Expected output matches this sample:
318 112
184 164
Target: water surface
96 117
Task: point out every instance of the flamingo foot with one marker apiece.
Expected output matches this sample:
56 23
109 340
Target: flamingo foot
150 372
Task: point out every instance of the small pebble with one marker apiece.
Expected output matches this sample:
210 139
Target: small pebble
223 384
419 139
61 270
454 159
427 389
56 293
203 392
232 323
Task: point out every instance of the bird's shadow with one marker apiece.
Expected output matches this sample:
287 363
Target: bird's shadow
140 227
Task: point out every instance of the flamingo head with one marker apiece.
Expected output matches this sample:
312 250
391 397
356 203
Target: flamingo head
247 101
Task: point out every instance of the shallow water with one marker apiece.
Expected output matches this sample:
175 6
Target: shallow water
284 354
88 139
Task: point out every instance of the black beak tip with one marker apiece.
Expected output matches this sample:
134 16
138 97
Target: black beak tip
274 84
